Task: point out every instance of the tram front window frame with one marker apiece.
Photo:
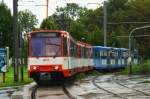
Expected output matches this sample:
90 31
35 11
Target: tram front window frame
46 44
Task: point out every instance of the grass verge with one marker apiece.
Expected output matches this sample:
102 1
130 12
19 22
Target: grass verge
9 78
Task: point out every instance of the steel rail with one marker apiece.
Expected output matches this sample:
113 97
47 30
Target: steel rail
67 92
132 77
33 93
117 82
94 83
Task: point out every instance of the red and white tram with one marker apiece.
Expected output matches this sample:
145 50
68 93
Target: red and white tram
54 54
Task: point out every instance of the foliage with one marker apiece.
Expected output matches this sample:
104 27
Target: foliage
27 22
72 11
63 18
5 27
143 68
48 24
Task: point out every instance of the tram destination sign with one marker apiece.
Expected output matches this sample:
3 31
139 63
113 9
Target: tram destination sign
3 59
49 34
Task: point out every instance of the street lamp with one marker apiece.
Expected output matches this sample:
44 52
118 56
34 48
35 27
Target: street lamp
130 59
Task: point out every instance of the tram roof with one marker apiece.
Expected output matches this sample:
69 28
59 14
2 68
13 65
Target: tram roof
59 31
102 47
109 48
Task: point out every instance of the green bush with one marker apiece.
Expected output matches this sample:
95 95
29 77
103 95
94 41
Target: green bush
80 76
143 68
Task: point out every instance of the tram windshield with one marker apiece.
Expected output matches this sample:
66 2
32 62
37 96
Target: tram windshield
46 44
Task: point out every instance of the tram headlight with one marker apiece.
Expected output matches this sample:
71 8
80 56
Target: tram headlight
35 68
56 67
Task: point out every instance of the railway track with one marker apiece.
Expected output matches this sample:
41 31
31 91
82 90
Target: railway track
51 92
120 86
95 84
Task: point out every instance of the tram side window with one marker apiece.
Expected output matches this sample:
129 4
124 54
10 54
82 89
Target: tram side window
109 53
73 49
105 53
125 54
112 54
115 54
88 53
101 53
91 53
65 47
97 54
85 52
79 51
82 52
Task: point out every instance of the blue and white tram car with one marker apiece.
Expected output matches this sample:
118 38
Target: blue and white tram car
122 57
106 58
101 57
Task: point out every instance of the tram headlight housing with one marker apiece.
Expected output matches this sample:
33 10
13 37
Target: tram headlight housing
35 68
56 67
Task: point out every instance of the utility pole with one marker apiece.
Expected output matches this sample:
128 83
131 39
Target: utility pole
21 55
105 23
46 8
15 38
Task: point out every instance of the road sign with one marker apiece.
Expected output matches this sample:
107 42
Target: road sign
3 59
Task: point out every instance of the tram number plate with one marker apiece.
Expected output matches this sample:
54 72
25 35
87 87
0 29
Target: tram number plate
45 59
45 76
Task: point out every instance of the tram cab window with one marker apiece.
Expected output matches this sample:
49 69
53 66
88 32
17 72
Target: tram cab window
46 44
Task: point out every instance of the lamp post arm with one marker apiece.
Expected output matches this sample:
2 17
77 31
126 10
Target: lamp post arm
138 28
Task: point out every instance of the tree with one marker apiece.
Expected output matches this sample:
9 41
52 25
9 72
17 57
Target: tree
71 11
5 27
27 21
49 23
62 18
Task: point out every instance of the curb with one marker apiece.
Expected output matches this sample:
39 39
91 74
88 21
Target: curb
24 93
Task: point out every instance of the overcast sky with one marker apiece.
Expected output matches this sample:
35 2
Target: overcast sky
40 11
